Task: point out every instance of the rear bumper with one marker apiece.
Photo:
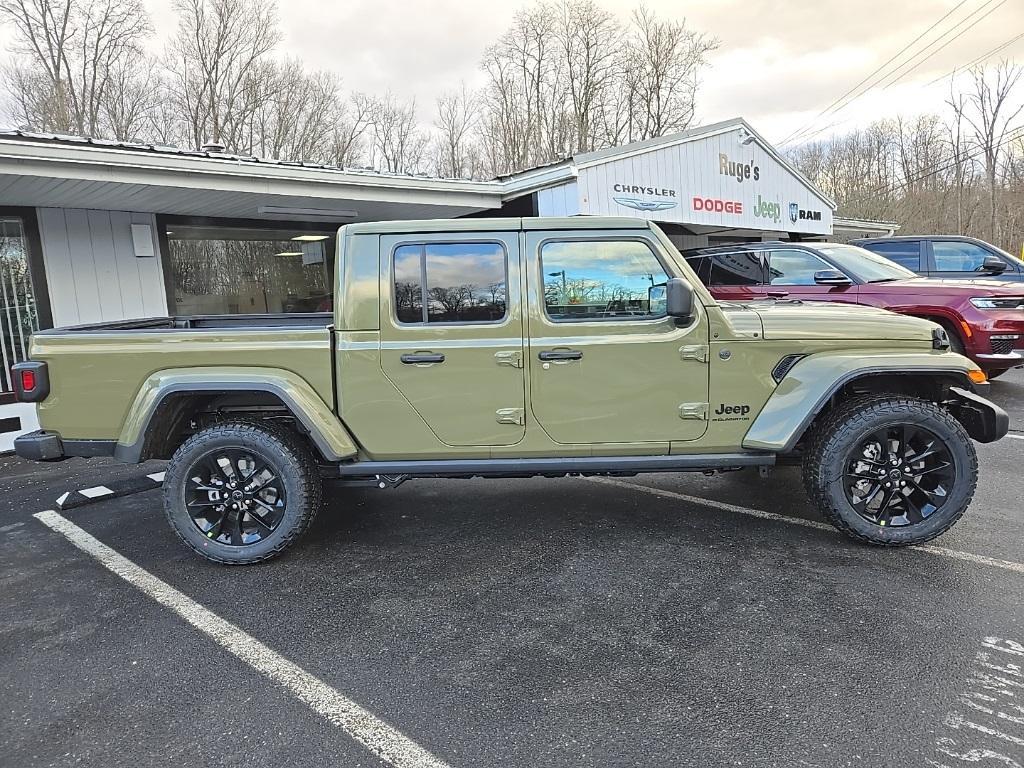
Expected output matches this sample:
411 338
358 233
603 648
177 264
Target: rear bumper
984 421
42 445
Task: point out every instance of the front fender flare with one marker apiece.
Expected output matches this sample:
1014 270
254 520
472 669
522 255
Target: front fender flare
807 387
325 429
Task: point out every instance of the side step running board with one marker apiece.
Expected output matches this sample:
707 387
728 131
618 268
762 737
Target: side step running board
560 466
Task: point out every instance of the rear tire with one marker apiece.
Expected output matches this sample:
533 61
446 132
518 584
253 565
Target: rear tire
890 470
242 492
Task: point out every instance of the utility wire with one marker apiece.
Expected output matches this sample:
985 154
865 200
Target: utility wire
895 56
978 60
887 81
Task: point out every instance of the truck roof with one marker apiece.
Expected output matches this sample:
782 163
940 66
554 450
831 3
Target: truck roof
495 225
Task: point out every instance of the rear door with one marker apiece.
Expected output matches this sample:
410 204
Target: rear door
452 333
606 364
733 276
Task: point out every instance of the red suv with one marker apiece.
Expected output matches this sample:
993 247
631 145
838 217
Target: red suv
984 318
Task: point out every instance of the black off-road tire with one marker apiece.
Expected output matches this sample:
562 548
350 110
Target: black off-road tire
282 449
839 434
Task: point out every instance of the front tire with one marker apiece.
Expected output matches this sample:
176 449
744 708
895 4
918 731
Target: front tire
891 470
242 492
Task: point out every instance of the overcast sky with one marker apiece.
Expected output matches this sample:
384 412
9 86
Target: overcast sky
780 62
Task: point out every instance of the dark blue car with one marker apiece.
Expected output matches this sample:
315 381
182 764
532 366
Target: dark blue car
947 256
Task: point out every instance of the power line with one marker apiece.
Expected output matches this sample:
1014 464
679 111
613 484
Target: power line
951 40
978 60
895 56
888 80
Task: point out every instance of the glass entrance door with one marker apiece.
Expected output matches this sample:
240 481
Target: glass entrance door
19 315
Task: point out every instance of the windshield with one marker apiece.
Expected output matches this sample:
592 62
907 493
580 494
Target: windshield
863 264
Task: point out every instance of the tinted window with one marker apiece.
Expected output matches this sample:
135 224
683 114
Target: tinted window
906 253
794 267
740 268
465 282
601 280
958 257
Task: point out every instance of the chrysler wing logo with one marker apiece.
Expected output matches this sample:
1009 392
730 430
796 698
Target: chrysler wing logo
794 212
645 205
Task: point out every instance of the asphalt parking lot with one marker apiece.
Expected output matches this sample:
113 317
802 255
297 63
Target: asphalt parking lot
654 621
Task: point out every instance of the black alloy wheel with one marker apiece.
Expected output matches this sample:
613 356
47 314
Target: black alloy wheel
235 496
242 492
899 475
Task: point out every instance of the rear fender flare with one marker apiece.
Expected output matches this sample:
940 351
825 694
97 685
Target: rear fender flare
809 385
325 429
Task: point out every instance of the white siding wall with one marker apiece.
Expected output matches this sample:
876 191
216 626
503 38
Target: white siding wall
91 267
563 200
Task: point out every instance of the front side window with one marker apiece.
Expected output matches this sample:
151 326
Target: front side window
743 268
794 267
222 270
951 256
450 283
602 280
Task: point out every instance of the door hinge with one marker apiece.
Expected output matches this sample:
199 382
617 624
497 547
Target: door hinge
513 359
698 352
510 416
695 411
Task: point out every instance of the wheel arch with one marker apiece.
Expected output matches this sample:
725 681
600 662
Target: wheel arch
170 398
814 387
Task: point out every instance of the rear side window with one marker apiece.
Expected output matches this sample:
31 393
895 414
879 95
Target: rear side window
740 268
906 253
450 283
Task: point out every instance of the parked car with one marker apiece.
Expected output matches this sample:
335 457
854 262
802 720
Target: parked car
984 318
947 256
477 347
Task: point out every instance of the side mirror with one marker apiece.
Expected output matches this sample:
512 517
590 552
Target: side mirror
831 277
678 298
993 265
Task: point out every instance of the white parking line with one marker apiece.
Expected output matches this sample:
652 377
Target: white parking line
373 733
1016 437
954 554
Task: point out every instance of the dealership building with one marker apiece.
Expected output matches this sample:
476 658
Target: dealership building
96 231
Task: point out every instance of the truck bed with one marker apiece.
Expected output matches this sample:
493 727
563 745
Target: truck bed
196 322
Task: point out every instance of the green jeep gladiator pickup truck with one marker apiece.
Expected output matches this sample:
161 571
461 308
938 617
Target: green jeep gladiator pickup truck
515 348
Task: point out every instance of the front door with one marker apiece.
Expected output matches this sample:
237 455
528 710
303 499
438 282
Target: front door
606 364
790 275
452 334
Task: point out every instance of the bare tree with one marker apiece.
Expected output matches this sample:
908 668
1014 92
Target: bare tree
456 121
212 63
992 116
76 55
398 142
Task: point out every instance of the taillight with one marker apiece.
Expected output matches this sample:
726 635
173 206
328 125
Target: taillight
31 381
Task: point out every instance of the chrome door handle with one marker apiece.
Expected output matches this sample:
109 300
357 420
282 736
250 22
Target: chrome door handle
561 354
420 359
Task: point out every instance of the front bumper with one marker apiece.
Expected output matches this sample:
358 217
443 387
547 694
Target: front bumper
984 421
1012 359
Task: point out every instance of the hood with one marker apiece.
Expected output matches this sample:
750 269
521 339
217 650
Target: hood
826 320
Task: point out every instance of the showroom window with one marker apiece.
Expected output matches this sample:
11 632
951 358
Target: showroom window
20 313
229 270
465 283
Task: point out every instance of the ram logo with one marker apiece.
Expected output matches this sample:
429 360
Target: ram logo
645 205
